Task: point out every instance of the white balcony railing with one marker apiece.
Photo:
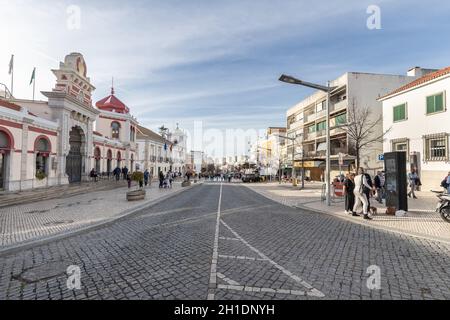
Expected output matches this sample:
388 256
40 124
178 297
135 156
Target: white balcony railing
339 106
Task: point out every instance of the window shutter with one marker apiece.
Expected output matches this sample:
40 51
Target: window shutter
430 104
439 102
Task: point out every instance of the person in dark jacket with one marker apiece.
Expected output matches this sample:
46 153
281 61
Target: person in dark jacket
368 191
146 177
349 187
116 173
125 173
161 179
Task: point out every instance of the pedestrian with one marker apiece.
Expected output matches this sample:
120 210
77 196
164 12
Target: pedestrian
146 177
360 196
379 186
129 180
125 172
161 179
116 173
94 175
349 188
413 178
368 191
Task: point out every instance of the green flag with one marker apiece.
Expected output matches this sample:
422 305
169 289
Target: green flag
33 76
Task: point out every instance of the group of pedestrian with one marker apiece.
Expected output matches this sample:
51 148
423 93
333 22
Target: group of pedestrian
166 180
359 188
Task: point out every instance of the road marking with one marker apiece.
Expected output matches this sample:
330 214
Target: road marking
270 290
311 290
241 258
213 274
228 239
227 280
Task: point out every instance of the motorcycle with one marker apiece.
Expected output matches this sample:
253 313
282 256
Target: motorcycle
443 205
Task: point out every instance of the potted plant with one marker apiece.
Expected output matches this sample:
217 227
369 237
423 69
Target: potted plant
40 175
138 194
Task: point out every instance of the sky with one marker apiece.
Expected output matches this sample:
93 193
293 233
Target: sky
180 61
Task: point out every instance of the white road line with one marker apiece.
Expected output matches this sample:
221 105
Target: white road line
258 289
241 258
227 280
213 274
228 239
311 290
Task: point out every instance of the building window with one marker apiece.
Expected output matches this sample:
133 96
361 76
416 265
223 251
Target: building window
311 129
436 147
115 130
4 140
400 112
341 119
321 106
321 126
400 145
435 103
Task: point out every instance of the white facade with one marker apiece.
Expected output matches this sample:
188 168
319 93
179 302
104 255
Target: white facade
360 90
421 134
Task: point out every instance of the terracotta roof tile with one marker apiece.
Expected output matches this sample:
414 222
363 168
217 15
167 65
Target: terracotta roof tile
10 105
426 78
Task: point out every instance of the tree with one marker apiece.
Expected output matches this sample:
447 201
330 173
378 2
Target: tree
363 129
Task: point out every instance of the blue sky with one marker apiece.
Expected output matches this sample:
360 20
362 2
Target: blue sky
219 61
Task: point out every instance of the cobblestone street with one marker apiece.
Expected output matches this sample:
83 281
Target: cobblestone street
42 219
227 242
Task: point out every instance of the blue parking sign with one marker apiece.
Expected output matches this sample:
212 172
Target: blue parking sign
381 157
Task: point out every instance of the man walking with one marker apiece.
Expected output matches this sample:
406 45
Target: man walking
125 173
146 177
116 173
349 188
161 179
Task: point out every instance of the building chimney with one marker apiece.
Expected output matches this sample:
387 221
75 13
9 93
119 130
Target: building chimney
419 72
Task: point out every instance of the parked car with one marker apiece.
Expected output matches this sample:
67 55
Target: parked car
250 178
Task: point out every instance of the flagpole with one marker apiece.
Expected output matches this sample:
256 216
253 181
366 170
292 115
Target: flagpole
34 83
12 77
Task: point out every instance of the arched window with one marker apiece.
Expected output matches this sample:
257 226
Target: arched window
98 157
42 148
115 130
4 140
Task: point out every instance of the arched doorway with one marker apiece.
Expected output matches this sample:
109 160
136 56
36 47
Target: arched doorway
6 144
108 162
98 159
42 148
74 160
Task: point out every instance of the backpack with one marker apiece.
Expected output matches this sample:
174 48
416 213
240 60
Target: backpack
444 183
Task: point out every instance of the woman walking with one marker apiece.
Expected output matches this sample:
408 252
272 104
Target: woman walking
413 178
360 196
349 188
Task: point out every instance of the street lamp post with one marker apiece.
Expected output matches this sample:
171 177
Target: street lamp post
327 89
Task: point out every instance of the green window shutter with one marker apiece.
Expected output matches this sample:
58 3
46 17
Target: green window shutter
430 104
400 112
439 102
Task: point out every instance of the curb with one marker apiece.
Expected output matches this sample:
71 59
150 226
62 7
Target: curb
362 223
125 214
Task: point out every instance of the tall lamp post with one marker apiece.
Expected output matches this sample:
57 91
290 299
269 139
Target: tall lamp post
327 89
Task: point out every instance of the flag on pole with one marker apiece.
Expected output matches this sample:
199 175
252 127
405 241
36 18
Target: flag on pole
33 76
11 65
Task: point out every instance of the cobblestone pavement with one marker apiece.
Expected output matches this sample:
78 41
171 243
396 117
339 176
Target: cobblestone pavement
421 220
228 242
41 219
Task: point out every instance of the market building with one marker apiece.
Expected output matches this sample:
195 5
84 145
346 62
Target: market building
59 141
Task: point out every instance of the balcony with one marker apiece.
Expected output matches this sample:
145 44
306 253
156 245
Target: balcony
310 136
336 151
309 117
337 131
321 133
341 105
296 125
321 114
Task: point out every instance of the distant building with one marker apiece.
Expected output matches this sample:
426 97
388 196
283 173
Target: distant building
418 119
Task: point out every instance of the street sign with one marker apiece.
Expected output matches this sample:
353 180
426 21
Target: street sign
381 157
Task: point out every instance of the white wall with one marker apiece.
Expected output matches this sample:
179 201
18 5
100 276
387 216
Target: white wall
419 124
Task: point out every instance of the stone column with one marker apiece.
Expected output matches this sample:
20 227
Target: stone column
24 183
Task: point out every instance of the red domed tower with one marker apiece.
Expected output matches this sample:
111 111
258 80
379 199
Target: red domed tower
112 104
